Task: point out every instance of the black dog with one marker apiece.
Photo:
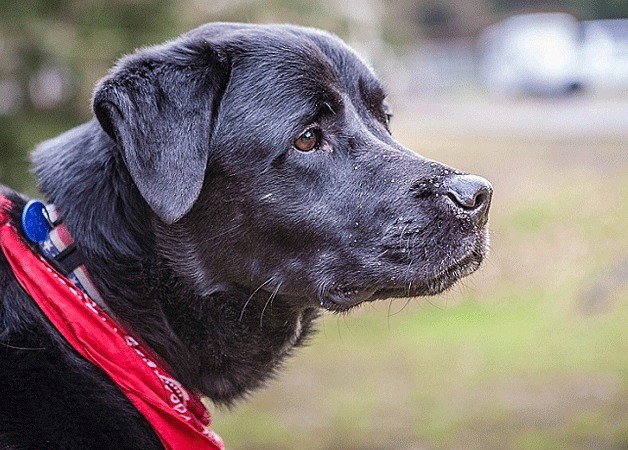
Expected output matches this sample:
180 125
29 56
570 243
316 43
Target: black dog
234 182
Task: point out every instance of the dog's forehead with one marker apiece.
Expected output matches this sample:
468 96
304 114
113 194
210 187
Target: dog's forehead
291 51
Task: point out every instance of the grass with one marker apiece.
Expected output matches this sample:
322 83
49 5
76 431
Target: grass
530 353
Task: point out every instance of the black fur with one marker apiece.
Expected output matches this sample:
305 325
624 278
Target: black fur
213 236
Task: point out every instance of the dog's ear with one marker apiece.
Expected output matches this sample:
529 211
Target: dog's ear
159 107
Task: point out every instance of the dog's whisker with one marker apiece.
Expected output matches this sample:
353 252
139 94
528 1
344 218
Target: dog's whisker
433 304
338 327
329 107
253 295
408 277
344 319
269 301
402 308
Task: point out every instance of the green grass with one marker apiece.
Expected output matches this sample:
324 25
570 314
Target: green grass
531 353
431 377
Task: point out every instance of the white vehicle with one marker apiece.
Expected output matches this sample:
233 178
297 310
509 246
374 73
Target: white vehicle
549 54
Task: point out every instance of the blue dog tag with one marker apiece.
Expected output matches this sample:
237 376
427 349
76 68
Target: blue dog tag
35 221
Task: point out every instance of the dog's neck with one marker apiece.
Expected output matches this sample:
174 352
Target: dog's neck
211 342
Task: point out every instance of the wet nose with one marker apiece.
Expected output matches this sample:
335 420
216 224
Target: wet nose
472 194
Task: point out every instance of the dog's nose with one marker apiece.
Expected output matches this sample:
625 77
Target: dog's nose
472 194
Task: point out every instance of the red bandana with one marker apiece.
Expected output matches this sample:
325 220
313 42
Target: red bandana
177 416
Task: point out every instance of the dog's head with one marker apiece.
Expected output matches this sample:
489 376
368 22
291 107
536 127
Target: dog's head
266 156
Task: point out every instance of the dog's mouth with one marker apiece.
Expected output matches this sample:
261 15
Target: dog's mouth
342 299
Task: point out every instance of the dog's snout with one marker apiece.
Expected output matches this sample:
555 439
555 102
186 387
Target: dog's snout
471 193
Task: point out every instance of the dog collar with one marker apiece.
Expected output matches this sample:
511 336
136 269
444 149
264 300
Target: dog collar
43 225
177 415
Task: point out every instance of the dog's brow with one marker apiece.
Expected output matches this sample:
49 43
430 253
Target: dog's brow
378 92
329 99
371 89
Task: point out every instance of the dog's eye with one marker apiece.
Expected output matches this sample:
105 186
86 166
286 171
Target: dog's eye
309 140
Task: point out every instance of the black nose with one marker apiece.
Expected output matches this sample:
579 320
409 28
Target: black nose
472 194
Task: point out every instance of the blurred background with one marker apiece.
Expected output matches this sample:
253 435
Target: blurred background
532 351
